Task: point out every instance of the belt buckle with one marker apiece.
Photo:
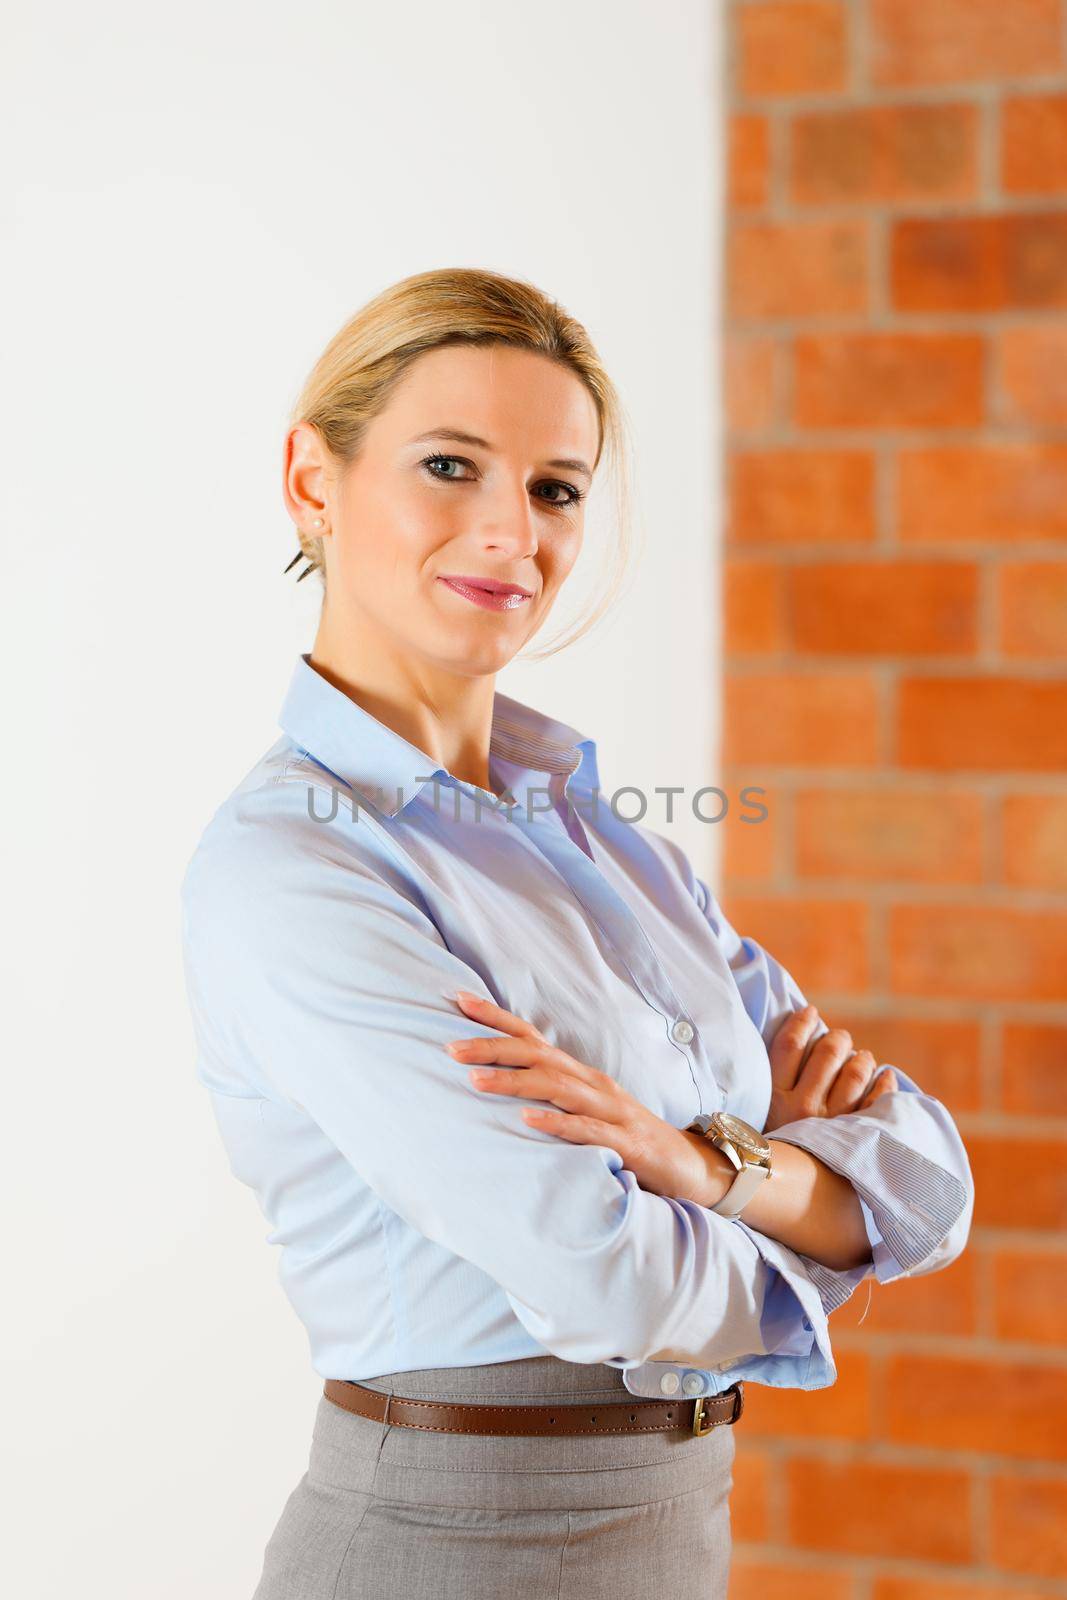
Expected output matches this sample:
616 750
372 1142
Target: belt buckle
699 1428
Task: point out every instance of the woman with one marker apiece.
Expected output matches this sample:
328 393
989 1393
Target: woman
532 1294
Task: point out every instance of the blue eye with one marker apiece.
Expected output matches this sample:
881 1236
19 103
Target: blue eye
429 461
574 494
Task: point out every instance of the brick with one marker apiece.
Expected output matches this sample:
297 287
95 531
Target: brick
884 153
1032 358
1034 1069
765 1580
1033 608
748 161
748 1500
870 608
1025 1305
753 605
841 1411
979 951
1034 845
888 380
982 724
952 265
962 41
981 263
983 492
822 943
941 1055
888 835
798 269
785 497
750 848
809 719
946 1588
941 1303
868 1508
1028 1525
791 47
1000 1200
999 1408
748 378
1033 144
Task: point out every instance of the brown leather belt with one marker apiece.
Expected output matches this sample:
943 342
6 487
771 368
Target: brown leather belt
632 1416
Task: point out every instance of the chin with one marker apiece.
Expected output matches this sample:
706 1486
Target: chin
483 664
480 662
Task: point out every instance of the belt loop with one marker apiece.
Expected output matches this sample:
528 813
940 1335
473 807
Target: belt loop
739 1402
388 1398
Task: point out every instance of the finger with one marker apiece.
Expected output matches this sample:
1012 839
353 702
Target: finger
567 1095
787 1047
562 1090
884 1083
502 1047
577 1129
818 1072
852 1082
495 1016
505 1051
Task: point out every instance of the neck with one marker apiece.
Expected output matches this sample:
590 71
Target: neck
447 715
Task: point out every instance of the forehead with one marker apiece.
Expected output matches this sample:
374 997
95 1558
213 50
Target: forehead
502 394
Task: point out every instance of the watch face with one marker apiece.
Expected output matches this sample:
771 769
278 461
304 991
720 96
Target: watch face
742 1134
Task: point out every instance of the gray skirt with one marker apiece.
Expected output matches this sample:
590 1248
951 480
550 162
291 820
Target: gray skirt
393 1513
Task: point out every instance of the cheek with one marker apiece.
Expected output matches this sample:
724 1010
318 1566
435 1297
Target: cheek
418 526
390 545
560 554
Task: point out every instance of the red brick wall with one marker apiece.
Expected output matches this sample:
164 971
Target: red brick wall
896 678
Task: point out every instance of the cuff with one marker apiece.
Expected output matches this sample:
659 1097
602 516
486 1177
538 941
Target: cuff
909 1202
793 1319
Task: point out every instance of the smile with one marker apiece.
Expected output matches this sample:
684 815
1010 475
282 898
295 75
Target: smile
499 598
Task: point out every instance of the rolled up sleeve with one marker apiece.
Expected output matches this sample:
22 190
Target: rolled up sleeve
316 981
903 1155
793 1350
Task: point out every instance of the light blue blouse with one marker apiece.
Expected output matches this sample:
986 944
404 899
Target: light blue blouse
336 900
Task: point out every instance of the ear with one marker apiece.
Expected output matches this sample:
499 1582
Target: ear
304 480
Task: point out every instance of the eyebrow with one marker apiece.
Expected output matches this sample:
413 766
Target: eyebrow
459 437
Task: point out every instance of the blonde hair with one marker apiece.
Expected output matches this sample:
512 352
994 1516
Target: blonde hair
353 378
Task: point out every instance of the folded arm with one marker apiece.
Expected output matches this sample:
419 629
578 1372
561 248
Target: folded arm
805 1205
320 984
903 1155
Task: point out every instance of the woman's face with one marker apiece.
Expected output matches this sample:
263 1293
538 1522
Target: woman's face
418 508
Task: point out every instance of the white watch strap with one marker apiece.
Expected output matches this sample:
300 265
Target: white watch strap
741 1190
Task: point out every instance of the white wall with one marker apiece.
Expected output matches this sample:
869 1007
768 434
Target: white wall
203 194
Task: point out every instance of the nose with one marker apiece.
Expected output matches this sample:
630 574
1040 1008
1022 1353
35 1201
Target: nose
510 524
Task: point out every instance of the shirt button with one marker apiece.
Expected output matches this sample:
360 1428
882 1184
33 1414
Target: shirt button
682 1031
693 1383
669 1382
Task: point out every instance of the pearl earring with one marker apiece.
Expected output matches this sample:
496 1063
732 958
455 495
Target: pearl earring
318 522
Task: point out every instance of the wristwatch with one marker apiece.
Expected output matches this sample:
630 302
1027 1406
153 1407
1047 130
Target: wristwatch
745 1147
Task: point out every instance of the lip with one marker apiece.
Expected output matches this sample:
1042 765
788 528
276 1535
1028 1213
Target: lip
488 593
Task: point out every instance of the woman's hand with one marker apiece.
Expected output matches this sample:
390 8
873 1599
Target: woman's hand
586 1105
829 1079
